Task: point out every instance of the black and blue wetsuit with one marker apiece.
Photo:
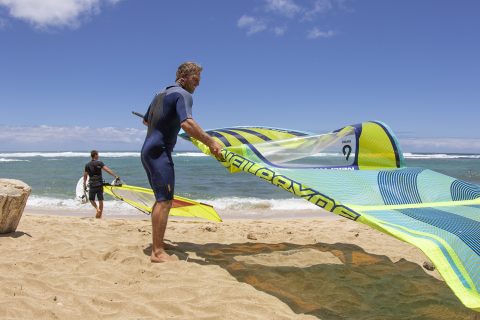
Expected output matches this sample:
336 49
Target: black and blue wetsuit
166 112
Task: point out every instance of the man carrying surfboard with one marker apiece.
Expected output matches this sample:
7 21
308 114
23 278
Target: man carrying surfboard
170 110
93 170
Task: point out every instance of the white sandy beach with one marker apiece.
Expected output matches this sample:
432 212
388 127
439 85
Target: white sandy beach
64 267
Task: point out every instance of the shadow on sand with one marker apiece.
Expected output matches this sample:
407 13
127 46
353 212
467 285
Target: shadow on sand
360 286
16 234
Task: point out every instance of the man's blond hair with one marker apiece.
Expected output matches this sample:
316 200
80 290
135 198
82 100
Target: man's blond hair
187 69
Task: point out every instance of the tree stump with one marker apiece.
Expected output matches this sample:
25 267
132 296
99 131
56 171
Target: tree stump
13 198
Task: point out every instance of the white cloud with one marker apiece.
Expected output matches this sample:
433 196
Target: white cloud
287 8
280 31
251 24
278 15
319 7
69 138
315 33
53 13
464 145
57 138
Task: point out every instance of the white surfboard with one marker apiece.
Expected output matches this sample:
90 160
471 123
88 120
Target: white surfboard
80 194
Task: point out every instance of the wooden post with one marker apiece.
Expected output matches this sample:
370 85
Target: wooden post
13 198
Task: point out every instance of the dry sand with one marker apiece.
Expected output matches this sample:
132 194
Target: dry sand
57 267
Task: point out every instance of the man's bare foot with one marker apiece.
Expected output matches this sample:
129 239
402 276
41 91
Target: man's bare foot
99 214
162 257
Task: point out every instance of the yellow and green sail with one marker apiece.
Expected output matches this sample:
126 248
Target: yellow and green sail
359 172
143 199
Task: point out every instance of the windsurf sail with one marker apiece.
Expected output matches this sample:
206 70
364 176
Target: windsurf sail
359 173
143 199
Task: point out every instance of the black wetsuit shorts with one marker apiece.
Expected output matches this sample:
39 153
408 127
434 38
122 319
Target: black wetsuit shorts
95 192
158 165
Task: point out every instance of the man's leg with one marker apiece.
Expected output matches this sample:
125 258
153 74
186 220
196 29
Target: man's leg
93 195
159 225
100 209
94 204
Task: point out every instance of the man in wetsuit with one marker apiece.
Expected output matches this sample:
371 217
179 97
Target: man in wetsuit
170 110
93 170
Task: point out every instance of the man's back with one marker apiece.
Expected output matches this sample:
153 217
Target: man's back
167 110
94 170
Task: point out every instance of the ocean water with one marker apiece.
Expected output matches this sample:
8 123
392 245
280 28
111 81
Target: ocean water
53 177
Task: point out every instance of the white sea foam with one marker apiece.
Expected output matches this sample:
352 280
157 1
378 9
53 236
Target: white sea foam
12 160
230 204
6 156
67 154
87 154
45 154
111 206
250 203
189 154
118 154
408 155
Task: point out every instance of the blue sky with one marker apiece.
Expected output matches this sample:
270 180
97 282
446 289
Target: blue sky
72 70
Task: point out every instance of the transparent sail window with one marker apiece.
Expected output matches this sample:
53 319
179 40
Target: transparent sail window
336 149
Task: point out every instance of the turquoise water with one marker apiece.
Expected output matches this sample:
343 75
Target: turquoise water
53 177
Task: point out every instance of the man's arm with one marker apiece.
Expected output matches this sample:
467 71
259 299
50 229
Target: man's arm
85 175
195 131
107 169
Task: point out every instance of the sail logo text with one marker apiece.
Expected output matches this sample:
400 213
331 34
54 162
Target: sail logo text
289 185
